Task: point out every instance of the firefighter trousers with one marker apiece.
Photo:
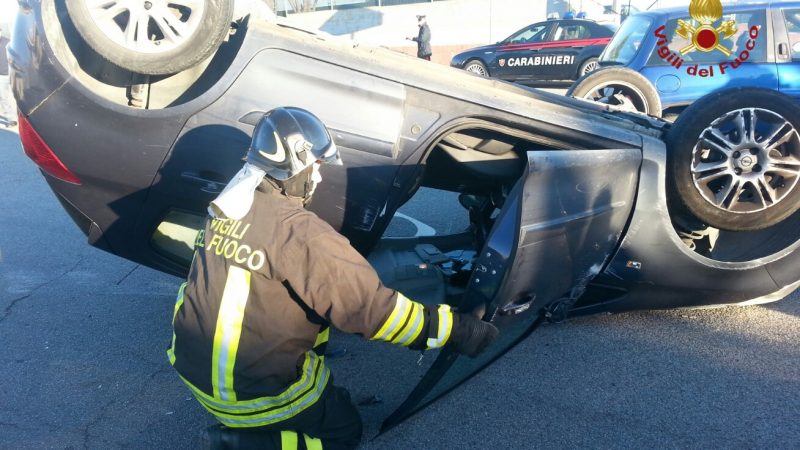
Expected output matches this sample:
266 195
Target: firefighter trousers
332 422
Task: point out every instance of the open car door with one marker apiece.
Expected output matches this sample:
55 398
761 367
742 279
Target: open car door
559 226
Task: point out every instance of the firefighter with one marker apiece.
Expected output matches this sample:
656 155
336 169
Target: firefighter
267 279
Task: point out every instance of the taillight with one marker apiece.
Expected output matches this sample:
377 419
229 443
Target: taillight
40 153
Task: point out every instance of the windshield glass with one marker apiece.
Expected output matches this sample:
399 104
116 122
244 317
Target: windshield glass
627 40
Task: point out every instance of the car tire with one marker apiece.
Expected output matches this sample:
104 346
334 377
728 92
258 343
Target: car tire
588 66
618 86
477 67
183 37
734 159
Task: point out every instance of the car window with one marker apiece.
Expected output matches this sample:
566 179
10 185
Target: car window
611 26
735 41
571 32
792 19
535 33
627 40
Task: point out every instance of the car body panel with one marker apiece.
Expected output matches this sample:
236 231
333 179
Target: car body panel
558 228
787 48
650 255
681 91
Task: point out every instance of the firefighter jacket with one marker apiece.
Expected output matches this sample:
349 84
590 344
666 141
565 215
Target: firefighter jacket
260 293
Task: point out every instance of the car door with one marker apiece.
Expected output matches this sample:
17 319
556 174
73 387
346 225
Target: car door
699 73
559 226
786 26
559 58
516 51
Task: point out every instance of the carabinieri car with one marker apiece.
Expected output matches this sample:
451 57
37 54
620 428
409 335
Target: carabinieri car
552 50
574 207
751 44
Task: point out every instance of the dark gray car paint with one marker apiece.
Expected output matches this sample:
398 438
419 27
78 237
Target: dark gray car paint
560 225
651 256
273 61
274 65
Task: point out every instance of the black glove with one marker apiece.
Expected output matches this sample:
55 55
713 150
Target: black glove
471 336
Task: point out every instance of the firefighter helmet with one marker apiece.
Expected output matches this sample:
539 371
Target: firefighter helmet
288 140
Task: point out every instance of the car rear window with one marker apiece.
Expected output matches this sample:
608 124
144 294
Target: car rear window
735 42
572 32
627 40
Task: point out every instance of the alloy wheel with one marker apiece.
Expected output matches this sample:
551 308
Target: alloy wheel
590 67
747 160
476 68
147 26
625 96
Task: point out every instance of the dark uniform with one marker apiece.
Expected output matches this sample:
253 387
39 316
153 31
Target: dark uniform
260 294
423 41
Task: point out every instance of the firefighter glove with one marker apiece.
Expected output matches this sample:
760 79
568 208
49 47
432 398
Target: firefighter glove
471 336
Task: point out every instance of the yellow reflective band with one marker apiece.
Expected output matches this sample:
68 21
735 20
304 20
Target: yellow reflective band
268 410
413 327
289 440
445 327
395 320
277 415
178 301
178 304
228 332
312 443
323 336
293 392
200 240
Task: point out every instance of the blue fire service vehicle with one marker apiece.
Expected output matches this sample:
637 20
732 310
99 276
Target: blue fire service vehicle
686 53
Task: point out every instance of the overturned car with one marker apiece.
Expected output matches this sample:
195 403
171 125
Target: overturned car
574 208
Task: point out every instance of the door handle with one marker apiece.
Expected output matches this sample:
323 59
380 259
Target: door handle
783 50
208 185
518 306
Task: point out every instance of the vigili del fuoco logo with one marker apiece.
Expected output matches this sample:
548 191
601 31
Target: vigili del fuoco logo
703 36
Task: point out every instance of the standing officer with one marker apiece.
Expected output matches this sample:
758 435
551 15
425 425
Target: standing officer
268 276
423 39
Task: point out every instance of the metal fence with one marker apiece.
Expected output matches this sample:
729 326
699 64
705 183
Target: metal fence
285 7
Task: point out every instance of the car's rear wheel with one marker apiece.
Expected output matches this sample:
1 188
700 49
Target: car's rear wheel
154 37
620 87
734 158
477 67
588 66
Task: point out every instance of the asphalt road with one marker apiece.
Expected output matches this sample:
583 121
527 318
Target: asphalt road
83 361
